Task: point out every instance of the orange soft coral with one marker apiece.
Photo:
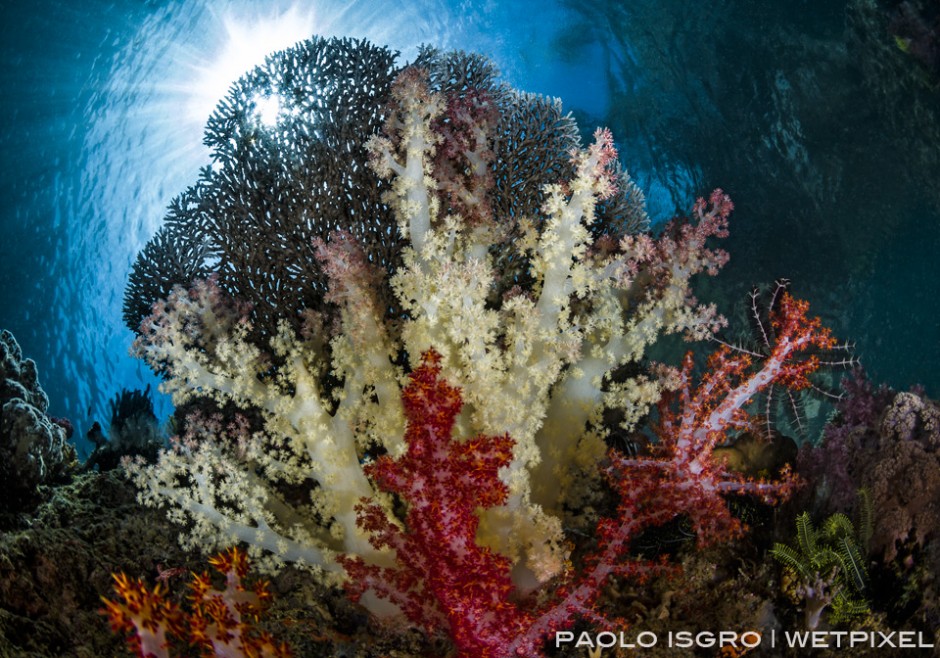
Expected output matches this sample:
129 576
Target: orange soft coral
219 624
147 614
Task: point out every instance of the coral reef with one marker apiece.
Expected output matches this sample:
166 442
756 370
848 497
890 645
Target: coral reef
878 438
407 324
403 320
444 580
253 216
34 448
533 354
54 573
887 443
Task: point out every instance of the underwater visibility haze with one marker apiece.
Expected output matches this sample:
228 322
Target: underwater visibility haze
469 243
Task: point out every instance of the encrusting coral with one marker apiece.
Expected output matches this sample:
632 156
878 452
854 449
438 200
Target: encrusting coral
538 313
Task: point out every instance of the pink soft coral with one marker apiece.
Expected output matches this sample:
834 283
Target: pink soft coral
684 471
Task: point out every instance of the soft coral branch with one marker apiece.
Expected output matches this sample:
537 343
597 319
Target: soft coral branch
218 622
652 277
683 477
445 581
689 432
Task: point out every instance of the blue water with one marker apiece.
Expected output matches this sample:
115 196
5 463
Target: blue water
102 106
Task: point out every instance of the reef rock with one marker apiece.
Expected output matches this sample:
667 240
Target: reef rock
34 449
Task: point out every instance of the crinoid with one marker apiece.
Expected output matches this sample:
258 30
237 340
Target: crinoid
758 344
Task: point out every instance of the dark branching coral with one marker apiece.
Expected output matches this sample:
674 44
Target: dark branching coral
169 259
252 216
34 449
533 138
277 186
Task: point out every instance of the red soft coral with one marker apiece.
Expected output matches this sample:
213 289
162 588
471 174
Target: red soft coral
683 477
445 582
684 466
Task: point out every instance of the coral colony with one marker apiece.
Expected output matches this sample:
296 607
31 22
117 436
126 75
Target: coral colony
220 623
399 328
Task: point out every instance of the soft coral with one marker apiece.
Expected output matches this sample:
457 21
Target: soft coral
684 470
444 581
218 623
